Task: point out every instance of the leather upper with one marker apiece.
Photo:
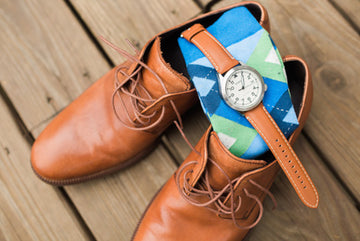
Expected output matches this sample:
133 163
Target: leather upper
170 217
86 139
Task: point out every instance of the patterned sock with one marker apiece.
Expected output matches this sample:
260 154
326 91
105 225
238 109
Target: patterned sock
248 42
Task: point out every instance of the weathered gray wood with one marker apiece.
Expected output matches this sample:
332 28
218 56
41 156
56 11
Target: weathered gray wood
29 208
136 20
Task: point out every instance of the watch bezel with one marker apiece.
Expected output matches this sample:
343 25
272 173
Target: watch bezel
222 82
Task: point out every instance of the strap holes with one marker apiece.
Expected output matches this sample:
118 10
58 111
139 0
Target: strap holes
302 182
280 145
277 140
296 171
289 161
298 176
292 166
283 151
286 156
304 187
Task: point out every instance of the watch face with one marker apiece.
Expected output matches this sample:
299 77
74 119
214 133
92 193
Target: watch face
243 88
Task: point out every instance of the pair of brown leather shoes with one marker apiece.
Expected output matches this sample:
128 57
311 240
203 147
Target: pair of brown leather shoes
213 195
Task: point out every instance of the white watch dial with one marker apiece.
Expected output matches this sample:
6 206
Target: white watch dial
244 88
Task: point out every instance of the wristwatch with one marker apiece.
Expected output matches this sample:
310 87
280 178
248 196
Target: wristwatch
243 88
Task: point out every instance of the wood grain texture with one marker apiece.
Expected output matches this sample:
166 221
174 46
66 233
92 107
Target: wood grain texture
112 206
47 59
336 219
315 31
29 208
350 9
61 62
136 20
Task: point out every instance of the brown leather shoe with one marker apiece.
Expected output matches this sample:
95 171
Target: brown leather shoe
119 118
215 195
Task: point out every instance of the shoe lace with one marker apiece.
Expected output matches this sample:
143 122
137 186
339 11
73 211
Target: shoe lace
130 86
217 198
142 121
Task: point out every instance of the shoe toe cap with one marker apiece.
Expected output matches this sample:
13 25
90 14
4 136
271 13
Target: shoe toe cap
49 160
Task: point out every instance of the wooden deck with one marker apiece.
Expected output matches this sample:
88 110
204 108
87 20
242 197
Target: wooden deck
50 54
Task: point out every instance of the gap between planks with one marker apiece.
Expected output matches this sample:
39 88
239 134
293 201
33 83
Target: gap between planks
88 32
332 170
27 135
346 15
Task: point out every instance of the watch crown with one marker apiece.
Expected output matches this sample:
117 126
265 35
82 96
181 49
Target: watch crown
266 87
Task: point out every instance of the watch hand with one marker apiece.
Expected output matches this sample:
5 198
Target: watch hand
247 86
242 81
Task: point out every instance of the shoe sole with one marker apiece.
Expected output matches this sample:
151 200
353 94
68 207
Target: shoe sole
70 181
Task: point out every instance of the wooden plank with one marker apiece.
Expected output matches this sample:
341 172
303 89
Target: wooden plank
202 3
331 47
350 9
29 208
336 218
47 59
112 206
136 20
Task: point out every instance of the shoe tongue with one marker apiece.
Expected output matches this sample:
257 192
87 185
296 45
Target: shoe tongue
172 80
233 166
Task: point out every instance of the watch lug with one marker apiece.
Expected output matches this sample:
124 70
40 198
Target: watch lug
221 81
221 78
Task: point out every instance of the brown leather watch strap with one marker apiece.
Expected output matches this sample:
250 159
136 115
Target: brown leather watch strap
259 117
216 53
284 154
